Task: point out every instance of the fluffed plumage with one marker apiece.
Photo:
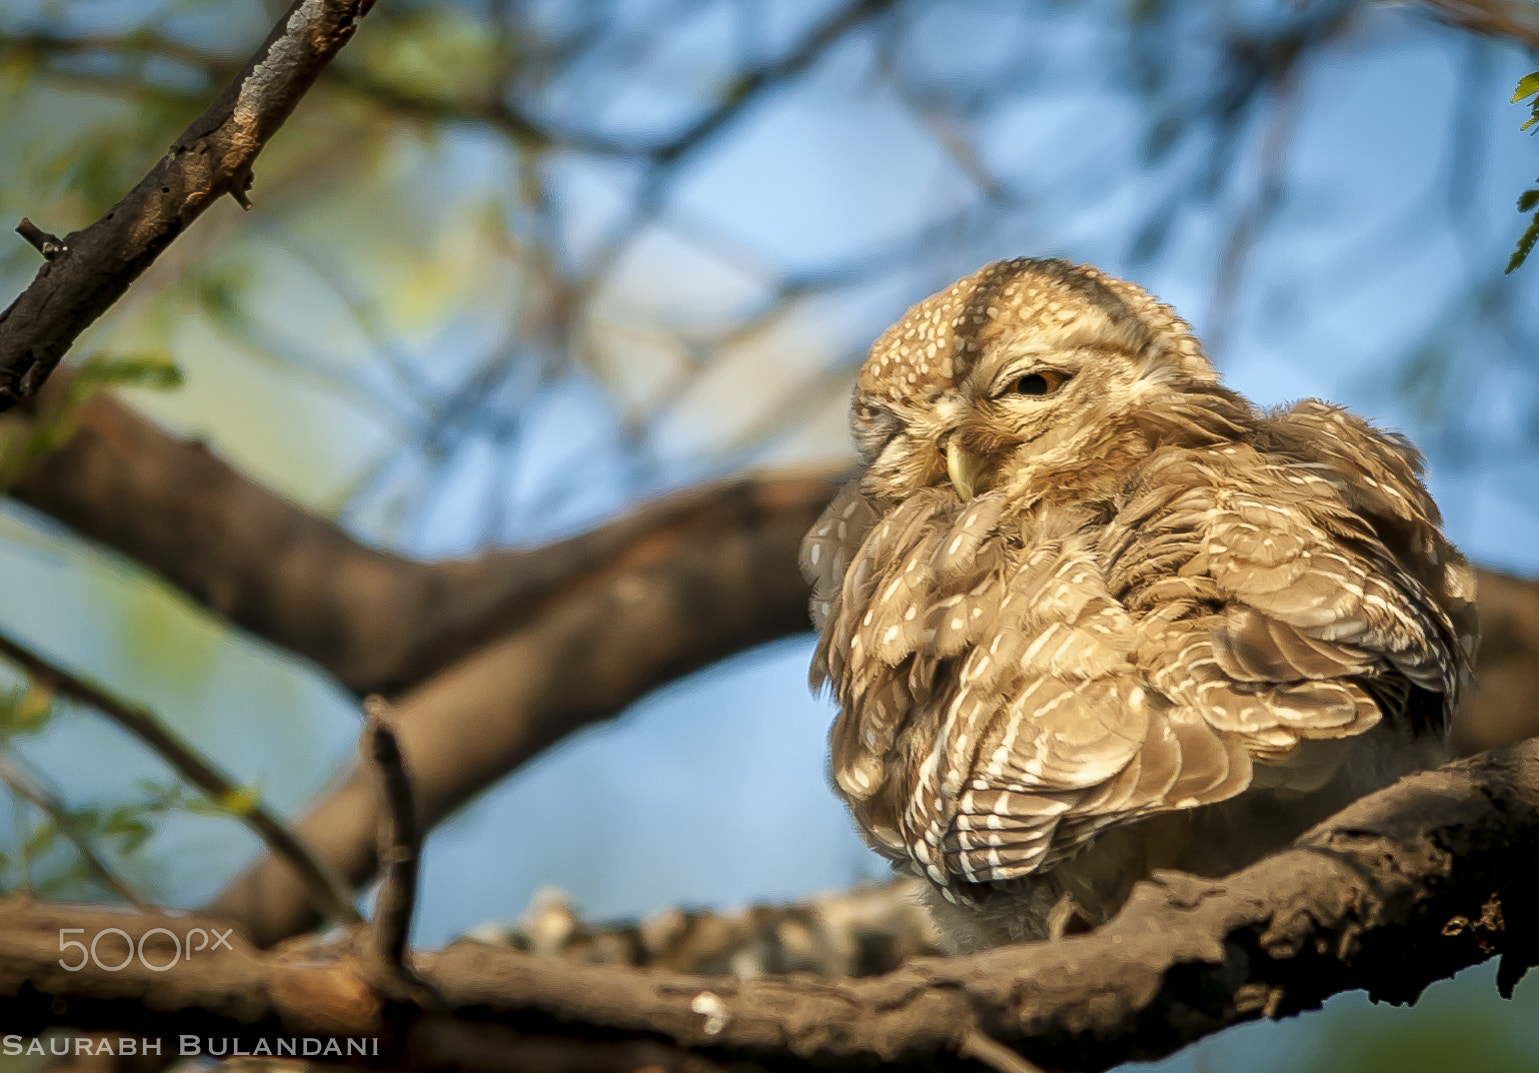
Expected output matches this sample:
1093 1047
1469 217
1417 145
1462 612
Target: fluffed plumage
1086 612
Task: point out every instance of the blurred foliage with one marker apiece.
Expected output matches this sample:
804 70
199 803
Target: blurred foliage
1528 201
57 851
1453 1029
489 212
43 854
25 709
21 445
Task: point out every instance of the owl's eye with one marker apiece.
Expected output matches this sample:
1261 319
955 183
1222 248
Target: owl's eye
1043 383
874 426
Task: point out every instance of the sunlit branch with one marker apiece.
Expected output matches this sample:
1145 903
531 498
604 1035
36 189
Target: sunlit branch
1400 889
95 266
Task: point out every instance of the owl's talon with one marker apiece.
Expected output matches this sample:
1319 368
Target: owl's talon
1066 919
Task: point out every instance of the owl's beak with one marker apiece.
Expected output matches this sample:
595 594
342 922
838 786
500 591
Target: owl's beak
963 467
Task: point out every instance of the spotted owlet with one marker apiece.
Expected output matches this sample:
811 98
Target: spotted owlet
1087 612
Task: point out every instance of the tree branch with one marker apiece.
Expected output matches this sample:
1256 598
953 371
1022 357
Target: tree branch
867 930
701 576
380 623
1436 873
1516 20
91 268
400 843
377 622
319 884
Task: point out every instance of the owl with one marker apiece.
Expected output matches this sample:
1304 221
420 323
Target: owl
1087 613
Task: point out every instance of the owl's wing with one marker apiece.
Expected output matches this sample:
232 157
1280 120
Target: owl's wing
1048 720
1053 733
1243 602
1330 595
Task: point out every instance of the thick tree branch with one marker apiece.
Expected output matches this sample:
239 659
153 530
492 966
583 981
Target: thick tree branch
710 573
381 623
1438 872
864 931
377 622
91 268
1504 705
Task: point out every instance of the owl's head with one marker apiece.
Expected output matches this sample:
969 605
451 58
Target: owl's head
1025 367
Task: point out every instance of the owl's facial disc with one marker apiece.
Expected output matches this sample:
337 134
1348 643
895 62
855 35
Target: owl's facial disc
1015 373
1001 414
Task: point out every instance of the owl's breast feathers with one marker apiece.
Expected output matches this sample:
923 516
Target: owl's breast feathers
1014 676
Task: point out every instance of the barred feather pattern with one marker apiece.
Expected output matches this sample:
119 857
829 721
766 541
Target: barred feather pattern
1192 604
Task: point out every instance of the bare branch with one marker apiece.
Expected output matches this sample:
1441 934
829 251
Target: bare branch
1505 705
375 621
400 842
34 793
865 931
48 245
93 267
323 888
1405 887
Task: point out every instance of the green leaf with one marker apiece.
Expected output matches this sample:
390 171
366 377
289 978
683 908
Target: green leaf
238 800
25 710
1525 245
155 371
1528 85
128 825
43 836
1527 200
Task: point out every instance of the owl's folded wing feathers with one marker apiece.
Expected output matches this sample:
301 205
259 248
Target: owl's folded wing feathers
1245 602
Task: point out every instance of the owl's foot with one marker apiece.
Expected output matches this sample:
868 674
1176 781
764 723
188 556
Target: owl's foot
1067 918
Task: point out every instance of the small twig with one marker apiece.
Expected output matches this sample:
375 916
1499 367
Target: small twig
992 1053
50 246
330 895
30 790
400 842
210 159
240 187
